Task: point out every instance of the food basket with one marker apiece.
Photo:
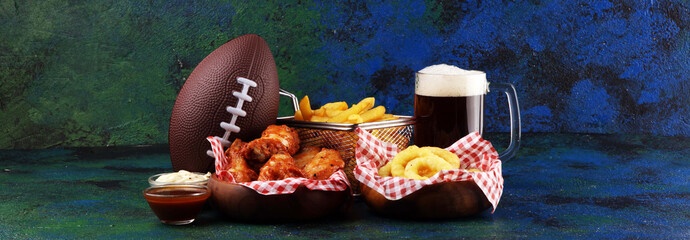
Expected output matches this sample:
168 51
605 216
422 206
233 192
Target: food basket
342 136
448 194
239 202
438 201
281 200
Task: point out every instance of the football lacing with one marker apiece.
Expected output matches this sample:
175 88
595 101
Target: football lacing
236 112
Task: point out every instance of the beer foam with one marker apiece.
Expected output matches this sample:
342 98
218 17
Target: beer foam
445 80
443 69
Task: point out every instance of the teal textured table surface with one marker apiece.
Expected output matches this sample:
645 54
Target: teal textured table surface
574 186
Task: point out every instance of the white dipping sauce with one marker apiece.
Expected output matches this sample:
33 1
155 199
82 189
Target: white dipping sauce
183 176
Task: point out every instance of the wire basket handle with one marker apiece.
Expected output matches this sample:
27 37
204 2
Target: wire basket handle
295 102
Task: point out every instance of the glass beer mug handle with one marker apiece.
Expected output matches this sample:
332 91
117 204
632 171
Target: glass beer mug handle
515 130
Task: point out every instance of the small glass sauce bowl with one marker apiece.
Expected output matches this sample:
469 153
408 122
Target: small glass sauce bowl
177 204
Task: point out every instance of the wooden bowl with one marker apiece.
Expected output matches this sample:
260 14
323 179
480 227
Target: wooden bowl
438 201
242 203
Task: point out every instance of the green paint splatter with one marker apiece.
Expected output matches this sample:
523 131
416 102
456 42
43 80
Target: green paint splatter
105 74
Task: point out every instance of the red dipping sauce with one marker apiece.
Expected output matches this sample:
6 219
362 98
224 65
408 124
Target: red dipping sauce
177 204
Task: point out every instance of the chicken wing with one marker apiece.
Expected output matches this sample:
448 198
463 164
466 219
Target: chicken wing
275 139
236 145
287 136
238 166
278 167
261 149
324 164
305 155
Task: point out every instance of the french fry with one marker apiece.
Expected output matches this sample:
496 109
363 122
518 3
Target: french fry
316 118
368 103
388 117
338 112
342 106
354 118
333 113
321 112
373 114
363 105
305 108
364 110
298 116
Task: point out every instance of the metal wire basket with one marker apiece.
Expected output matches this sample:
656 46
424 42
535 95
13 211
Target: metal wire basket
341 136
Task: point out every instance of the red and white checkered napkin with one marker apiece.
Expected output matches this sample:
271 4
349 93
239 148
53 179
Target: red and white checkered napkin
337 181
474 152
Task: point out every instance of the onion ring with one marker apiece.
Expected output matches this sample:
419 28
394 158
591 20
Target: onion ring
424 167
401 159
448 156
385 171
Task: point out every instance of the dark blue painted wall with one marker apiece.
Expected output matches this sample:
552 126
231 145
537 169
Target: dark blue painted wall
579 66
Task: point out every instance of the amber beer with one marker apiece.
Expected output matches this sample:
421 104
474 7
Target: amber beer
443 120
448 106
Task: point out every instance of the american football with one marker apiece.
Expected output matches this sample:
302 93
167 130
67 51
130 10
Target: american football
232 93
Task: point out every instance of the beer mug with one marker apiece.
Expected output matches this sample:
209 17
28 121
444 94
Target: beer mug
450 104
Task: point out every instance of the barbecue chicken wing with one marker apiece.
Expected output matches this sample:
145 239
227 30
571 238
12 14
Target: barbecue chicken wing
305 155
275 139
238 166
278 167
287 136
324 164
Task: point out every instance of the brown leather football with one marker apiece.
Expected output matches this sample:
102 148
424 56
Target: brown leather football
238 80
